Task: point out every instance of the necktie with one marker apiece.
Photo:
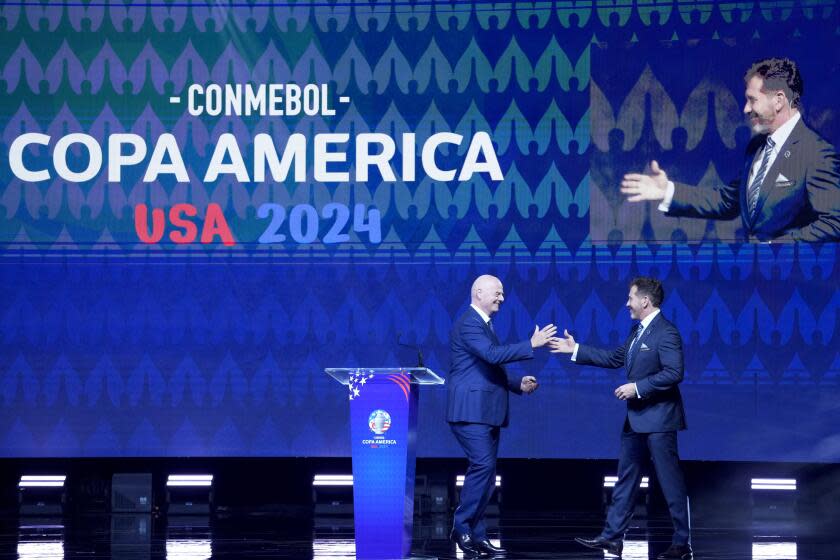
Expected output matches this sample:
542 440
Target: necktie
755 186
493 336
632 350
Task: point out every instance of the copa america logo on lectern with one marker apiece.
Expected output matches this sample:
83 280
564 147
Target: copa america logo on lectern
379 421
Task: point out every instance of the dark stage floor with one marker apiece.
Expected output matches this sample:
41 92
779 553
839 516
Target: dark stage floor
269 535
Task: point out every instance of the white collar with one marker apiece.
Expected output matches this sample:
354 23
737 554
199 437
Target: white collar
646 321
783 132
483 315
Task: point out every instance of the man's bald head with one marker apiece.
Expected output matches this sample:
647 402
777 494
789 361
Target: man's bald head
487 294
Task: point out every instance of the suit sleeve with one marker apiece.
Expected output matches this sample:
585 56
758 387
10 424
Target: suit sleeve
823 186
591 356
700 202
515 385
479 344
671 358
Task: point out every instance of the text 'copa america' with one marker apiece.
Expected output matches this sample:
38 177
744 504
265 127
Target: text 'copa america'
326 157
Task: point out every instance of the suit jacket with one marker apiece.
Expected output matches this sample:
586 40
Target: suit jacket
656 369
799 197
478 385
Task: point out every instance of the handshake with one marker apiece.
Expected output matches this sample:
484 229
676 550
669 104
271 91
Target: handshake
542 337
565 345
546 336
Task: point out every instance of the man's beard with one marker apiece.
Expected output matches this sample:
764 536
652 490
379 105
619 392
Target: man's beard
761 126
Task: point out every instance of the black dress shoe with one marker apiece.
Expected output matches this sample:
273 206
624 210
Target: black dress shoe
488 547
467 545
613 547
677 552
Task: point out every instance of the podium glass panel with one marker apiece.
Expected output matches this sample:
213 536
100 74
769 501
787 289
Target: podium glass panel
417 375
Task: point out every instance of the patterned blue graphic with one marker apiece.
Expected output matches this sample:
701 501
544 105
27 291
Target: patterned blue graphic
112 347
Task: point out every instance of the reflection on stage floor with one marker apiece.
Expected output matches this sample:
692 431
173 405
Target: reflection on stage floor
272 536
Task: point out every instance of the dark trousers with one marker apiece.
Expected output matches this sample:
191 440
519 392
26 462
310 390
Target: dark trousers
661 447
480 443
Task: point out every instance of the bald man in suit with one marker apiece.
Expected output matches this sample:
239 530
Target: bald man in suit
477 405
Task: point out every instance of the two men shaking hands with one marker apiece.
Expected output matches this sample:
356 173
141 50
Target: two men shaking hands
478 388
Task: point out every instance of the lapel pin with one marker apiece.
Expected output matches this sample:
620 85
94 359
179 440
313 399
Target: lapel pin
787 153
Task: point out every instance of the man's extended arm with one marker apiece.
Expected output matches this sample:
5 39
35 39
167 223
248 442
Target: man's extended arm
479 344
592 356
698 202
678 199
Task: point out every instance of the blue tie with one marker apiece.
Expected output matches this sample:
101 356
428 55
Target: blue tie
754 190
493 336
632 350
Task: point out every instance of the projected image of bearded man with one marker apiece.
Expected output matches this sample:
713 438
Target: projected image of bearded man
789 186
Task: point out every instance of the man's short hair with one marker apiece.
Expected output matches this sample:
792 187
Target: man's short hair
779 74
650 287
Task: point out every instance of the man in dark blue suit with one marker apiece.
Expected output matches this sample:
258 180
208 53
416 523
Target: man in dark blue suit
789 187
477 405
653 358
